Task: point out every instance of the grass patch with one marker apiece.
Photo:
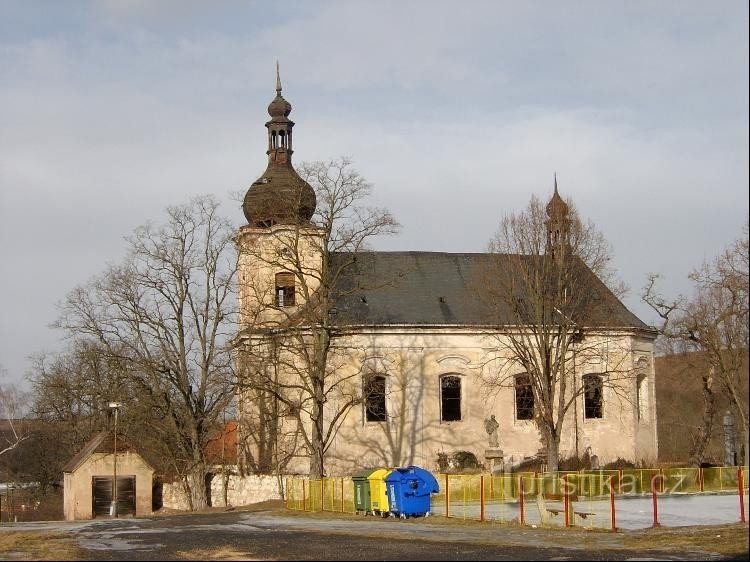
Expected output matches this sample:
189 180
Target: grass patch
729 539
35 545
218 553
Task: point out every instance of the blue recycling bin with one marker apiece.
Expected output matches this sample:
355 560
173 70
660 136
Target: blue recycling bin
409 490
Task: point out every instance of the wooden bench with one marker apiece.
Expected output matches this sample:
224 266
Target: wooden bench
546 509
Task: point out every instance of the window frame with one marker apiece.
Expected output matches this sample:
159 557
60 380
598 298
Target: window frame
529 390
459 379
285 289
598 387
368 391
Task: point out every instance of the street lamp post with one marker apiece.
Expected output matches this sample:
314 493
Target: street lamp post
113 507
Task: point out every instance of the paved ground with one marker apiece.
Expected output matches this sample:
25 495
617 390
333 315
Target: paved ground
633 512
273 534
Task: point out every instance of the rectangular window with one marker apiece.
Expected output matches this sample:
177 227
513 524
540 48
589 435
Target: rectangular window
524 398
593 389
374 393
284 289
450 398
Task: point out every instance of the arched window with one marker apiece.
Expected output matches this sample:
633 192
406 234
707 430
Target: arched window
450 398
284 289
524 397
593 396
641 397
374 398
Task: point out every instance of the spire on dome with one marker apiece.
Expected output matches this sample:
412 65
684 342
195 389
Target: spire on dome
279 196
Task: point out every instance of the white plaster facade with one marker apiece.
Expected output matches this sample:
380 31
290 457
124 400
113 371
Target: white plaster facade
415 360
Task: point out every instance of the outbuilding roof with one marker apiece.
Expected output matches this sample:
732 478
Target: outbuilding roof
102 442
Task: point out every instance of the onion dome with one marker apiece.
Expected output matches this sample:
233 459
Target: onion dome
279 196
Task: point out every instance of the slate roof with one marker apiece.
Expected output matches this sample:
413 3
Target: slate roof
434 288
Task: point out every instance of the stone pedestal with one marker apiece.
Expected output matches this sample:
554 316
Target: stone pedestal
494 459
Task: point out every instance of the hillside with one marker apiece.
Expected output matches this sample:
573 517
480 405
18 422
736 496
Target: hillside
679 407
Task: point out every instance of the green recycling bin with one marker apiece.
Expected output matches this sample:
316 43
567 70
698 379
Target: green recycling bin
362 497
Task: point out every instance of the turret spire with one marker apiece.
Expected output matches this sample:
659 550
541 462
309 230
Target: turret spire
558 224
278 79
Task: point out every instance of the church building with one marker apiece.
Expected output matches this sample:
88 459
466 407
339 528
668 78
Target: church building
421 369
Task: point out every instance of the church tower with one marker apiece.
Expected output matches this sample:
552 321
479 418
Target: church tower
279 248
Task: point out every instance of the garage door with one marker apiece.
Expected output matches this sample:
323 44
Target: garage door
101 493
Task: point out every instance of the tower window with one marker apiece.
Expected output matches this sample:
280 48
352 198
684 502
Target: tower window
374 395
524 397
593 388
284 289
450 398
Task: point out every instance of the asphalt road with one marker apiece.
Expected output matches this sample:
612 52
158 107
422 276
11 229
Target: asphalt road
279 535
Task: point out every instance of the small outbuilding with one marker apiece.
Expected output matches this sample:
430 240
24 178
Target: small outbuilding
88 479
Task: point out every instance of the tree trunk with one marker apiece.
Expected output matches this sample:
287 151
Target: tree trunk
316 456
706 428
553 455
196 484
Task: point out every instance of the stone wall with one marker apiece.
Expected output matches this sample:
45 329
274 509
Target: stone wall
241 490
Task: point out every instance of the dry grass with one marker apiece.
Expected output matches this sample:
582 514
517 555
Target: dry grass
35 545
219 553
724 539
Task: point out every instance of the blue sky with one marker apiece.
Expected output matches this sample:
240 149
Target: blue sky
457 112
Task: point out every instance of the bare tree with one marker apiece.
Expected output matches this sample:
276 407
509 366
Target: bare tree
549 273
13 427
714 322
290 353
166 314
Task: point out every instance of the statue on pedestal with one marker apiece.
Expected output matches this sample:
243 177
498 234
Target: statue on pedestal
490 426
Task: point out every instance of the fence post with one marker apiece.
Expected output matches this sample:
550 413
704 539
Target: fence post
619 481
522 515
566 500
701 483
304 498
481 497
612 511
322 494
741 490
342 494
286 496
655 501
447 497
661 480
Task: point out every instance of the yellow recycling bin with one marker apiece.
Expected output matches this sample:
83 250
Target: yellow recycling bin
379 491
